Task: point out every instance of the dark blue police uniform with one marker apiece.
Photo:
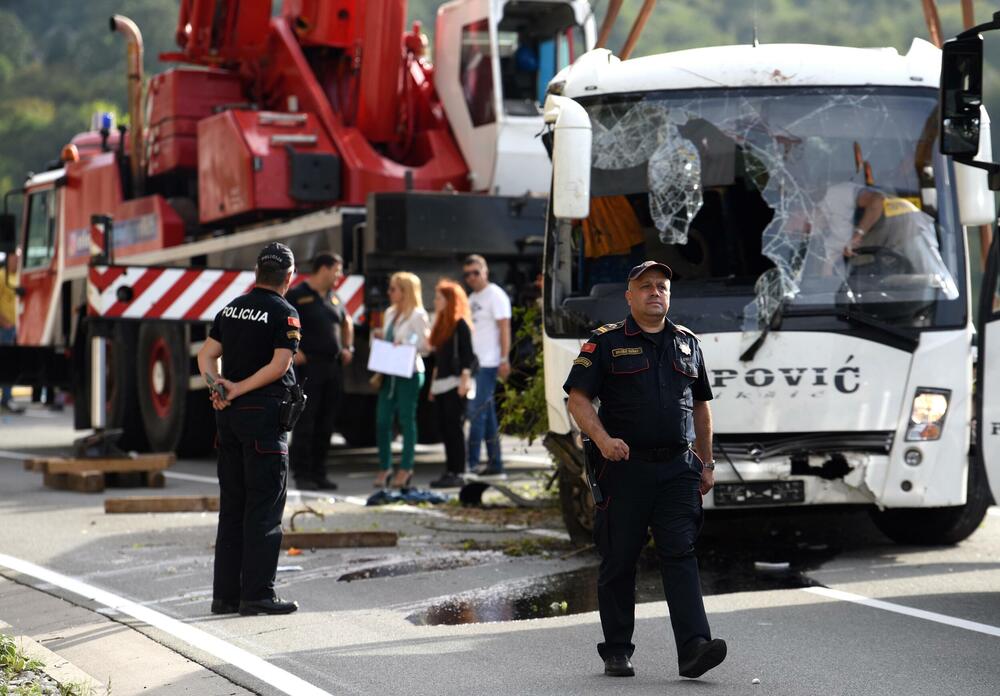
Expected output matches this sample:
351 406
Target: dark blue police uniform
646 384
321 377
253 450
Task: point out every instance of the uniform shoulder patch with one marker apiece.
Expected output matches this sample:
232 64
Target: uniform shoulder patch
588 347
583 362
294 335
608 327
305 299
689 332
294 321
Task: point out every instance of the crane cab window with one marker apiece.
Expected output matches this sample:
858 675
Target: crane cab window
535 41
41 230
476 69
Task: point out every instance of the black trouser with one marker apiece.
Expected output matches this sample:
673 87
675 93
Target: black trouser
323 382
639 496
451 413
253 472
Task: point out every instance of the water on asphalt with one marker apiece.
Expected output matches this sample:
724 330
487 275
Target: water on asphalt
767 555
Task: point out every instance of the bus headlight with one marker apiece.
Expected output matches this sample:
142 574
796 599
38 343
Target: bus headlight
927 414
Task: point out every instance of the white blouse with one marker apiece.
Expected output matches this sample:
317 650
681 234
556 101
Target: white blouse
412 329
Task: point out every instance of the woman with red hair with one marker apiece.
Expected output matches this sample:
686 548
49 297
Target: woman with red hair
454 363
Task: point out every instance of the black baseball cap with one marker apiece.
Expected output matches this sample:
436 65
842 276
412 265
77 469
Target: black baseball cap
276 255
647 265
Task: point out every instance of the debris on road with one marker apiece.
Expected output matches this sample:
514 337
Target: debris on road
337 540
166 503
86 475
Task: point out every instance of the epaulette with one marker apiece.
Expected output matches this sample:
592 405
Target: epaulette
608 327
689 332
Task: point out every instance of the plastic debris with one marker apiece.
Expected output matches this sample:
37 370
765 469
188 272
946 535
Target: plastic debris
765 567
294 551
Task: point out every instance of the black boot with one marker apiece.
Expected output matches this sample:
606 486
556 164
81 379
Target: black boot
618 666
703 656
274 605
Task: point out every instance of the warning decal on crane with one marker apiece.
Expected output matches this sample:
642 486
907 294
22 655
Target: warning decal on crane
184 294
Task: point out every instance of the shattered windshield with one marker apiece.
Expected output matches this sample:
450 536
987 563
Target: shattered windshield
766 201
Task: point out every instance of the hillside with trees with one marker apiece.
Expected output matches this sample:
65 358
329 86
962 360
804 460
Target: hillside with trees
59 63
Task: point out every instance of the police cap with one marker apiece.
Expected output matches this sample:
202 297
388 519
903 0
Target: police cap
648 265
276 255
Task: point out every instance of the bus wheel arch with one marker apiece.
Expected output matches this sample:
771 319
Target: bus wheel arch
939 526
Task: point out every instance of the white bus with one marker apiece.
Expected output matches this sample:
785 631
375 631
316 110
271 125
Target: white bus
825 252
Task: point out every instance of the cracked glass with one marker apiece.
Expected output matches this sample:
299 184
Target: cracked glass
768 200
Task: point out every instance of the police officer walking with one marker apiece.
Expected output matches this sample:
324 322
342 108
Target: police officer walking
651 380
327 346
256 336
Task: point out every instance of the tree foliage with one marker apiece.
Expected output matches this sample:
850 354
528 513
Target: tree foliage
59 62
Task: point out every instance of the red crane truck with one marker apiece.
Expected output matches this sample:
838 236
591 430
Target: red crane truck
325 127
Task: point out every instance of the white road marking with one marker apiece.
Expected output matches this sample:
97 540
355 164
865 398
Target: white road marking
282 680
7 454
906 611
993 511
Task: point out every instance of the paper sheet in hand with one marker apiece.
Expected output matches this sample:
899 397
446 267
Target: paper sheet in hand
391 359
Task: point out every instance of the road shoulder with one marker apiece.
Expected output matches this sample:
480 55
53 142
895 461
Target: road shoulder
107 651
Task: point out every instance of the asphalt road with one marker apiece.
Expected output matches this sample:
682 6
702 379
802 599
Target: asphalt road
933 627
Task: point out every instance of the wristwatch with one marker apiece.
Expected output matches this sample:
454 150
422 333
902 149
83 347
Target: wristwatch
709 465
350 349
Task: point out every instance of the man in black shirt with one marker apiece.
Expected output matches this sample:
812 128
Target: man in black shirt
650 377
256 336
327 346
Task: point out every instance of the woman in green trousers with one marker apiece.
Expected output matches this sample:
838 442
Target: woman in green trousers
405 323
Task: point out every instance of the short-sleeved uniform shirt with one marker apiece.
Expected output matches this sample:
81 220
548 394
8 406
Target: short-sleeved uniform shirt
249 329
322 317
647 383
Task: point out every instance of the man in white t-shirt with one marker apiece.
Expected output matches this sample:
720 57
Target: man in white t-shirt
491 343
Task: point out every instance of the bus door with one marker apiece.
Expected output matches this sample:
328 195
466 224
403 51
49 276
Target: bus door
988 371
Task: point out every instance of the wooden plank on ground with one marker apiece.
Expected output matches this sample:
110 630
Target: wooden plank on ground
85 481
142 462
162 503
337 540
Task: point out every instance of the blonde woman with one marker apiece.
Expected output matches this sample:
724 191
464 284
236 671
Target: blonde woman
405 322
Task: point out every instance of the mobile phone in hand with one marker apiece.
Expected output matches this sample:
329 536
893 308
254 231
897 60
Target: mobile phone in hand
215 386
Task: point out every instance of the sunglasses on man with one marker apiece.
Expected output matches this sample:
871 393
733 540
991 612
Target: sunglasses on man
473 273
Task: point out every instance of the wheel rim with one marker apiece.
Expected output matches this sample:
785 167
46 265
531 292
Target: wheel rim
160 377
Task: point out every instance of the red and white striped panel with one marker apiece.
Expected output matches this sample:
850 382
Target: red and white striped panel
183 294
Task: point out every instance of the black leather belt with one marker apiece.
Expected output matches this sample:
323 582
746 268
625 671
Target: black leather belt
658 454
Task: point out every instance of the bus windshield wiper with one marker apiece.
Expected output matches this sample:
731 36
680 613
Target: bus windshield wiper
848 313
775 324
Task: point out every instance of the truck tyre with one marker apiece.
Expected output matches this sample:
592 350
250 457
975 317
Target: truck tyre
161 368
939 526
577 505
356 421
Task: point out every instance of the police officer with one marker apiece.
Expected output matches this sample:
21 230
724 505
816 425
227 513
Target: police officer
327 346
651 380
256 336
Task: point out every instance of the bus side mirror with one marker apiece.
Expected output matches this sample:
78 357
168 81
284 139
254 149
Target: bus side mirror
961 95
8 233
572 139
